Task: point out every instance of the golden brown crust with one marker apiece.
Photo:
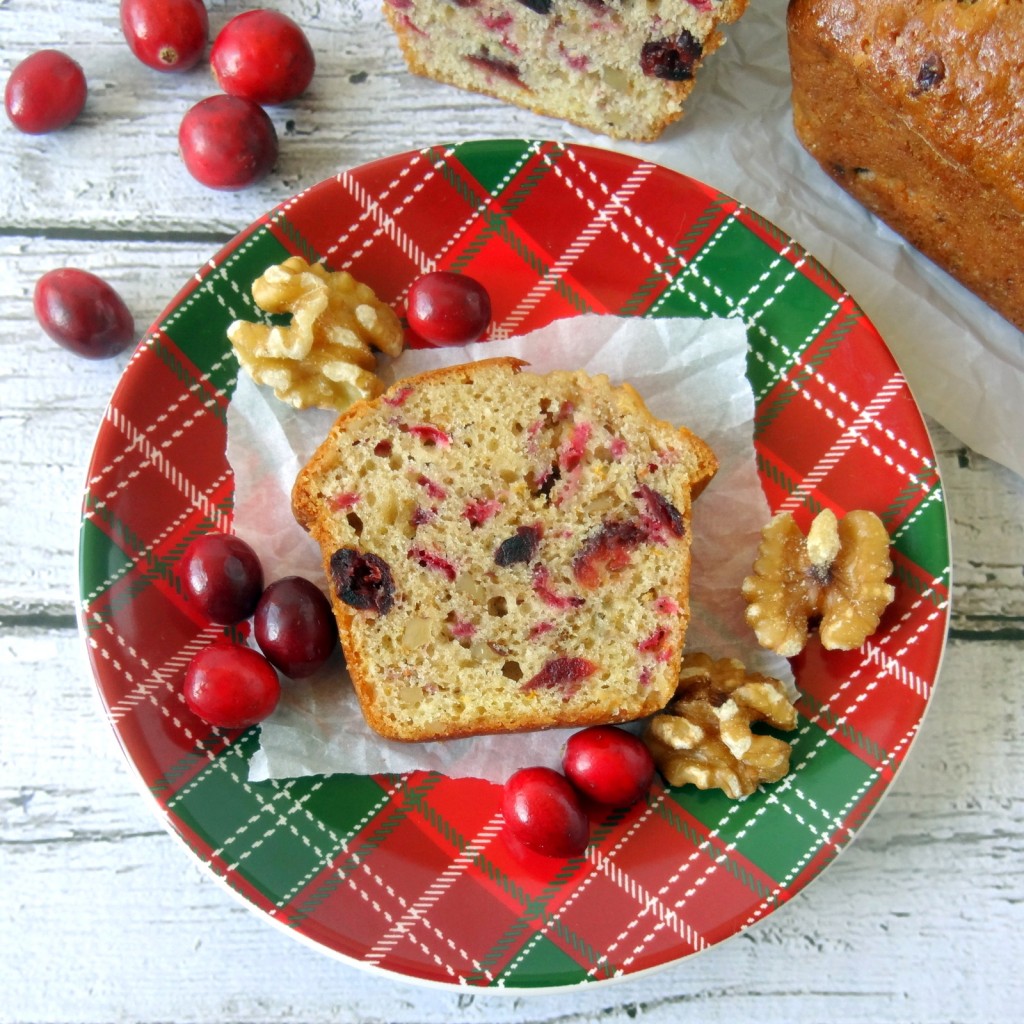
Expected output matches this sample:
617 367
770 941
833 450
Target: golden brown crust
917 109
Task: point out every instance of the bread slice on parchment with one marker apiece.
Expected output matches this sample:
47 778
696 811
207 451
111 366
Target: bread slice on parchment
505 551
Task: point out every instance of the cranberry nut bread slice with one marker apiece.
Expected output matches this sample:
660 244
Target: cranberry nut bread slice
506 551
623 68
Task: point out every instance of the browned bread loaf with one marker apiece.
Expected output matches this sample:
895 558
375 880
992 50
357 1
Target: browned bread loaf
621 67
916 107
505 551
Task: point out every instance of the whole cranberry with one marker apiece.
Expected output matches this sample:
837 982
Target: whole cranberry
227 143
295 627
544 813
262 56
231 686
46 91
445 308
609 765
81 312
223 575
168 35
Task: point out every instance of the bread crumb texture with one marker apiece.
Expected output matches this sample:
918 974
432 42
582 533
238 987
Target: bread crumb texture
505 551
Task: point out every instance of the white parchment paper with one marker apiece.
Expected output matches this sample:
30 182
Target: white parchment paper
690 372
964 362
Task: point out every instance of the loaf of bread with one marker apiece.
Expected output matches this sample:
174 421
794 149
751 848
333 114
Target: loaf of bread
622 67
505 550
916 108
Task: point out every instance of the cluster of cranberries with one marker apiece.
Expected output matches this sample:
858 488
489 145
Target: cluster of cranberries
260 58
231 685
227 141
545 811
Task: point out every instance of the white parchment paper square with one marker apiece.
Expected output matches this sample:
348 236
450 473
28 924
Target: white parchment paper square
689 372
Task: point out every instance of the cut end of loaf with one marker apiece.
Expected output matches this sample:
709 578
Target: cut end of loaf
505 551
623 69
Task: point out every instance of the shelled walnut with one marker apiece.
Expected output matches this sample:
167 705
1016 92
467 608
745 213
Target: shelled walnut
834 577
324 357
705 736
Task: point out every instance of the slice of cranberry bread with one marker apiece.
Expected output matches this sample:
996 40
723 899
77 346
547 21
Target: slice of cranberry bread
619 67
506 551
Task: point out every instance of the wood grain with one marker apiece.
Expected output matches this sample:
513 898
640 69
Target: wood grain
106 917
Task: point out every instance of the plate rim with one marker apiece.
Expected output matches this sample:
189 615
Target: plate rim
165 815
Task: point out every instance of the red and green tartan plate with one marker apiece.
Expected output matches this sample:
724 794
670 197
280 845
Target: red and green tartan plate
410 875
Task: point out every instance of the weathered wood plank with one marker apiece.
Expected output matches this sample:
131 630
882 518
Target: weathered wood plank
117 168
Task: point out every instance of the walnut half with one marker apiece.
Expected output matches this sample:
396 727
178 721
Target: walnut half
705 736
324 356
835 577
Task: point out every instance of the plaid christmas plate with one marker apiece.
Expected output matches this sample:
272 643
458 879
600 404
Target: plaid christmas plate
410 874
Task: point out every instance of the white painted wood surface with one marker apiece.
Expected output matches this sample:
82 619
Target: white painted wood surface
104 917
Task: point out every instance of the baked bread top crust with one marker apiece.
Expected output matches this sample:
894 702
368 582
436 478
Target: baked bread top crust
952 69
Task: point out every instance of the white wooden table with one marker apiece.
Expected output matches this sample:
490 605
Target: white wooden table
104 918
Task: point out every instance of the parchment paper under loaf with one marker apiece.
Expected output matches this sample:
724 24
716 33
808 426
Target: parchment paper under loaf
690 372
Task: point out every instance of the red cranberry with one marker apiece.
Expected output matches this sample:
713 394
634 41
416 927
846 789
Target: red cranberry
231 686
46 91
445 308
660 514
544 813
262 56
607 548
931 74
223 575
363 580
168 35
227 142
83 313
495 67
609 765
434 561
520 547
671 59
562 673
295 627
